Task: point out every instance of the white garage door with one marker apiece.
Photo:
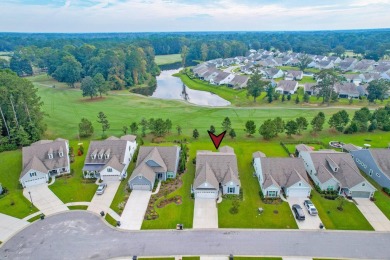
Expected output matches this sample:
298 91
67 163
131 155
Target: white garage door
360 194
293 193
33 182
110 177
206 194
141 187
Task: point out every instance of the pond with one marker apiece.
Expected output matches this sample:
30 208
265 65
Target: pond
170 87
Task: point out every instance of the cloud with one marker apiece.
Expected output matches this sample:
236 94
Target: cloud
190 15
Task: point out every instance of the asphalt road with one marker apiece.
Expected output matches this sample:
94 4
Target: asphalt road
82 235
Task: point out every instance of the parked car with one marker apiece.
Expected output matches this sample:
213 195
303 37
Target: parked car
310 207
100 190
298 212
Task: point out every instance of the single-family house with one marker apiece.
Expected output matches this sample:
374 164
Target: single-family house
287 87
368 77
109 159
311 89
281 175
215 172
375 163
273 73
44 159
293 75
347 64
154 163
346 90
221 78
332 170
239 81
364 66
324 64
353 78
335 59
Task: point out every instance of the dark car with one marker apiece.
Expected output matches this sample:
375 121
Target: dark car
298 211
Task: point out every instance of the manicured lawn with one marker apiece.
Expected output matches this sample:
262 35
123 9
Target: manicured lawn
34 218
13 203
122 194
167 59
78 207
256 258
382 200
191 258
75 188
349 219
307 79
110 220
274 216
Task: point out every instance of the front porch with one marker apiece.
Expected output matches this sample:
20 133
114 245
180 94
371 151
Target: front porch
58 171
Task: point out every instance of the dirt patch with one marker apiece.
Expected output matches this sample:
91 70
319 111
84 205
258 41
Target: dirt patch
177 200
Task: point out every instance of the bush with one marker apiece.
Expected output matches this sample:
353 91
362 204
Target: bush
261 195
386 190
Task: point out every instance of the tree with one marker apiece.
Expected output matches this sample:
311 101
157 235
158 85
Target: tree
102 119
279 125
232 133
159 127
361 118
270 93
250 127
212 129
144 126
297 100
125 129
21 66
303 61
168 124
327 80
178 128
318 122
4 64
184 54
306 97
339 50
101 85
204 51
283 98
85 128
377 89
255 85
88 86
133 128
268 129
352 128
291 128
195 134
289 97
339 120
69 71
302 124
226 124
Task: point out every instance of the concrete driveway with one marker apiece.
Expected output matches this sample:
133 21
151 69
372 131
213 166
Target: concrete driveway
311 222
9 226
134 211
103 202
373 214
205 214
44 199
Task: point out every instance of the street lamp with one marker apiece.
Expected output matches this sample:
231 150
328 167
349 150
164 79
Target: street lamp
32 204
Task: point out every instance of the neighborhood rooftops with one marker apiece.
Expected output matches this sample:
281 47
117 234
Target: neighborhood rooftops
287 85
45 155
382 158
216 167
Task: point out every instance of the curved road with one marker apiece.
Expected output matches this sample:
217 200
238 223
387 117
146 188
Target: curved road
82 235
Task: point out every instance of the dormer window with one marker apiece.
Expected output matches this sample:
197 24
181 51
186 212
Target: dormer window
50 155
100 156
60 154
93 156
106 156
336 169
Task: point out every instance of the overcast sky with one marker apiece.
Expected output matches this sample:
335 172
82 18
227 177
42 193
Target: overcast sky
190 15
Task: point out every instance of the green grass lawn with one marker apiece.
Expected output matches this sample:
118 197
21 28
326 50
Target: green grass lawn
349 219
34 218
78 207
75 188
191 258
382 200
110 220
167 59
248 216
13 203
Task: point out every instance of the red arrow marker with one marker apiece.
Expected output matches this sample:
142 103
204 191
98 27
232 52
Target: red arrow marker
217 139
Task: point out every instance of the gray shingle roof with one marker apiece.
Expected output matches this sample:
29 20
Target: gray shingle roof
222 165
303 147
350 147
36 156
382 157
284 171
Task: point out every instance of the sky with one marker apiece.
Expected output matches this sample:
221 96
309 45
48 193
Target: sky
191 15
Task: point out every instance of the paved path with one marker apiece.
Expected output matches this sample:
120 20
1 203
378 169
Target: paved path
214 258
44 199
373 214
134 211
205 214
9 226
103 202
157 189
83 235
310 222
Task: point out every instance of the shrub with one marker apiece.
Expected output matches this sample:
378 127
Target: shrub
261 195
386 190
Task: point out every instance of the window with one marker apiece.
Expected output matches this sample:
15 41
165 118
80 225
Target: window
33 174
371 171
100 156
106 155
61 154
231 190
50 156
109 169
93 156
363 184
299 184
330 187
272 193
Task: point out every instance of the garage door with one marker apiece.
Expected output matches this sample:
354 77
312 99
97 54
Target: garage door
360 194
33 182
298 193
110 177
206 194
141 187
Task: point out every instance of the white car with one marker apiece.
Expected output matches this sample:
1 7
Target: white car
310 207
100 190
